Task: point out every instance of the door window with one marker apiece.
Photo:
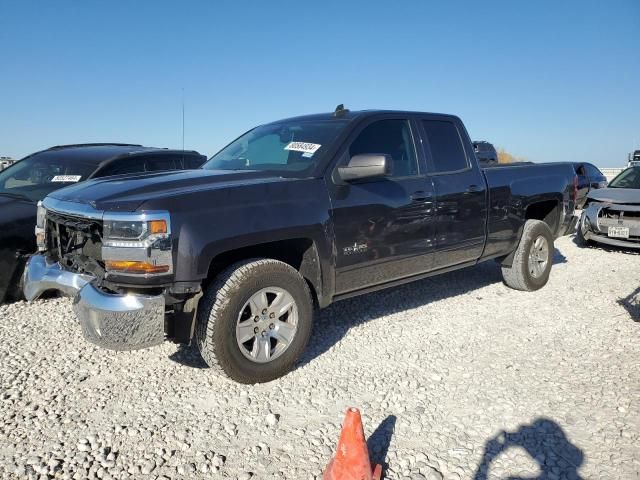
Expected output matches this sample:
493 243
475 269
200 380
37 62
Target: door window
390 137
447 151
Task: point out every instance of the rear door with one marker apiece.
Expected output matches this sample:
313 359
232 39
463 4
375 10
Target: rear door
383 227
460 189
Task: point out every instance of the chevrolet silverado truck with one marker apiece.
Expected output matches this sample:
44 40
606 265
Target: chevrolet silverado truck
290 217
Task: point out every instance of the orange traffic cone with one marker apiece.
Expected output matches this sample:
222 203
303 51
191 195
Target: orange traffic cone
352 458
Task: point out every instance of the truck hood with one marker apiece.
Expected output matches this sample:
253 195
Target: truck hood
616 195
127 192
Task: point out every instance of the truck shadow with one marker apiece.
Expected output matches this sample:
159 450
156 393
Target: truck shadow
333 323
547 445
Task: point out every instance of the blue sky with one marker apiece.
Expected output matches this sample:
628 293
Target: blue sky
548 81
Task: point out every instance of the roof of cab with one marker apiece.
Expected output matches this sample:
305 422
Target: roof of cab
351 115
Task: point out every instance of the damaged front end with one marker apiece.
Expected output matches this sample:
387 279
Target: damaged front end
611 224
81 250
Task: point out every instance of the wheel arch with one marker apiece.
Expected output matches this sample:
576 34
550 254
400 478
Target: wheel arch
301 253
547 210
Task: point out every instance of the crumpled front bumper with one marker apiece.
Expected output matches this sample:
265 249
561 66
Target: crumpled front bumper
592 228
113 321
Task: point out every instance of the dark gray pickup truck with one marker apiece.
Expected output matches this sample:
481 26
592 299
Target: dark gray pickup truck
290 216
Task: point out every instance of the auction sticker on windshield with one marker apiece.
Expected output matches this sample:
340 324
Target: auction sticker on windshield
66 178
307 148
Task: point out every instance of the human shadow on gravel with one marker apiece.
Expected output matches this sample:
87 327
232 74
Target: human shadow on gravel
631 304
545 442
334 322
380 440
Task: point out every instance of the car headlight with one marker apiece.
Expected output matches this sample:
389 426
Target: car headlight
137 243
133 230
41 218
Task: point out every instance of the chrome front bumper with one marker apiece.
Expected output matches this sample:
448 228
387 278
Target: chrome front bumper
113 321
592 227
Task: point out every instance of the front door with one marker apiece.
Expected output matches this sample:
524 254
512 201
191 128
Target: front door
383 226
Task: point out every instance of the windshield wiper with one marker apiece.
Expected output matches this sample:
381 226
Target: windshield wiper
19 196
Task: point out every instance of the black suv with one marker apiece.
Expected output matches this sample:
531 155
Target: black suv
26 182
485 152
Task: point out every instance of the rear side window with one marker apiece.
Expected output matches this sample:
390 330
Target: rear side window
122 166
446 147
160 163
593 171
193 161
580 170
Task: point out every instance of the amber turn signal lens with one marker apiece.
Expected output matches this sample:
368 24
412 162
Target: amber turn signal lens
157 226
129 266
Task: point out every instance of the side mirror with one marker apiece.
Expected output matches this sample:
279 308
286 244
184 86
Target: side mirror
367 165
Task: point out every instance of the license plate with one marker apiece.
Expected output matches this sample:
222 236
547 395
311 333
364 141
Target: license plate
618 232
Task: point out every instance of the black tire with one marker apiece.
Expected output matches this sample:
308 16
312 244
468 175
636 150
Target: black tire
222 304
520 275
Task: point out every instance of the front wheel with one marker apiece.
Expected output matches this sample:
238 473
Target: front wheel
533 258
255 320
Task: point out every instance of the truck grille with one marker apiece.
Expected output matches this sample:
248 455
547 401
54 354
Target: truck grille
68 235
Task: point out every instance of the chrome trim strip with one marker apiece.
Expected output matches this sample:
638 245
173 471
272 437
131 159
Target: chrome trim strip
76 209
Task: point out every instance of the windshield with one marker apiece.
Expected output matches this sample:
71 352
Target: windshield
284 148
629 178
36 176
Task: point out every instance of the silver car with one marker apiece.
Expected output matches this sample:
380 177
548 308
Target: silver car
612 215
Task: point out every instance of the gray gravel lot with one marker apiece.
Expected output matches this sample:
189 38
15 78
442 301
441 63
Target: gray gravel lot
439 369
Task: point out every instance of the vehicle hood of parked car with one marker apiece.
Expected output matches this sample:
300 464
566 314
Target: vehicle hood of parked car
615 195
127 192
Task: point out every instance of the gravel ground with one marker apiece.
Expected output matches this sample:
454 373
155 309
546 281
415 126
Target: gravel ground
457 376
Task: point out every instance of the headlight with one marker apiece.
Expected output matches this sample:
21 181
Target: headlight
137 243
133 230
41 216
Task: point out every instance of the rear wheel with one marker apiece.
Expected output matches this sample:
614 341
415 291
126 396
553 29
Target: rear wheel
255 320
533 258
